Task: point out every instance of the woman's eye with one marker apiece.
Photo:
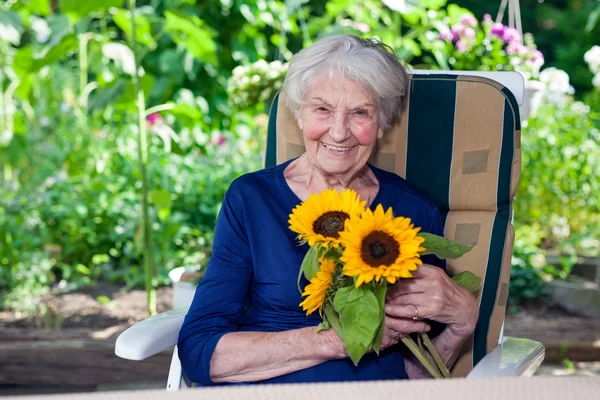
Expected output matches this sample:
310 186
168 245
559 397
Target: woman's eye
321 109
361 113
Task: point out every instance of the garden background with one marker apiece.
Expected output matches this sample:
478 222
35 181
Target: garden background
119 135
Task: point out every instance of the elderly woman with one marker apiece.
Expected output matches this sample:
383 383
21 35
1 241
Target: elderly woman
245 323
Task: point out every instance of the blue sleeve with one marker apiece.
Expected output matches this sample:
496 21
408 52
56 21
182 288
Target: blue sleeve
221 294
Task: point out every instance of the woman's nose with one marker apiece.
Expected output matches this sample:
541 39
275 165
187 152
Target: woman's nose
339 130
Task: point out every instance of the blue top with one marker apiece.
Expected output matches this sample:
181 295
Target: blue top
251 280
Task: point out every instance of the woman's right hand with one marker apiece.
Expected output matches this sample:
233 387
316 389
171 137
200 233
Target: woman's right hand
395 329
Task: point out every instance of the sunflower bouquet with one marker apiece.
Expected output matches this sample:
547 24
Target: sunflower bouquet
354 254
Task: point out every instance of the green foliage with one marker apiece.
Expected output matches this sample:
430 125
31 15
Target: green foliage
70 200
468 280
442 247
559 190
360 318
527 284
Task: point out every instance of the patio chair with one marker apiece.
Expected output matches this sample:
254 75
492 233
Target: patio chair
459 141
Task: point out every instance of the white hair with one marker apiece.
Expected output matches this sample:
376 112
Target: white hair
369 63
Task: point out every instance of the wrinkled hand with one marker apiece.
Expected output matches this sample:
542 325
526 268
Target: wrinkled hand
436 297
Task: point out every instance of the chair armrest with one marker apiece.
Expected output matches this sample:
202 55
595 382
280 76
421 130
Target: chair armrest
150 336
513 357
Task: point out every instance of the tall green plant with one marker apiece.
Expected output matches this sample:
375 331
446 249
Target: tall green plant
149 269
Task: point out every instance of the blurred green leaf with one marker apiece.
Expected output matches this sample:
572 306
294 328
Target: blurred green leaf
143 29
79 9
193 34
162 200
11 27
108 95
103 299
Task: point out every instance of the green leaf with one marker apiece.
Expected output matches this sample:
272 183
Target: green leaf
78 8
103 299
442 247
108 95
143 29
67 45
455 13
39 7
333 318
190 31
310 265
360 317
468 280
162 200
380 295
334 254
593 19
323 326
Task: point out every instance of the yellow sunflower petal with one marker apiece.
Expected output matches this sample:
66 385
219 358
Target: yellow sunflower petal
318 287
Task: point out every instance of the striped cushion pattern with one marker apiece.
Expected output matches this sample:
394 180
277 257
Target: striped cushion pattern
459 141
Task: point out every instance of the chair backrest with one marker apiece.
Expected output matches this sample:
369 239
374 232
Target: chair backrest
459 141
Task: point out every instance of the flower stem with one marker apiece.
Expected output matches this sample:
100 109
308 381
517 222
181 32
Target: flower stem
412 346
435 355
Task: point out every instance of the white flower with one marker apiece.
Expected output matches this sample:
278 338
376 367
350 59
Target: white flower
556 80
579 108
239 70
596 80
560 227
592 57
570 151
261 65
396 5
276 64
538 260
44 121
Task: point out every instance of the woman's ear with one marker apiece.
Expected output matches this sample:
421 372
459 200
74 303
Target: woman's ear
300 122
380 133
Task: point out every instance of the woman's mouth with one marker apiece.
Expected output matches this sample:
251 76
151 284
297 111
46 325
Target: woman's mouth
337 149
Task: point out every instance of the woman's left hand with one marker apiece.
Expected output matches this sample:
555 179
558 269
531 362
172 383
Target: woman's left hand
431 294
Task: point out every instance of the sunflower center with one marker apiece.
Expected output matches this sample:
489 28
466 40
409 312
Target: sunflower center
379 248
330 223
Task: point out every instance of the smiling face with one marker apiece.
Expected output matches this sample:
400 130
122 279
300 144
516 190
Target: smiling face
340 125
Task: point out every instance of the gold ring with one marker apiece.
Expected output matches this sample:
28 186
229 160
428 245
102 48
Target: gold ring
416 314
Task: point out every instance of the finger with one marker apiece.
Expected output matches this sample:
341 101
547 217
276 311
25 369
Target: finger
426 270
419 300
405 286
406 325
396 311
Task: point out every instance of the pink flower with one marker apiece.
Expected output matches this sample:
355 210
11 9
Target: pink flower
154 119
447 35
498 29
468 20
461 46
361 26
511 34
487 17
469 33
514 48
537 55
219 140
